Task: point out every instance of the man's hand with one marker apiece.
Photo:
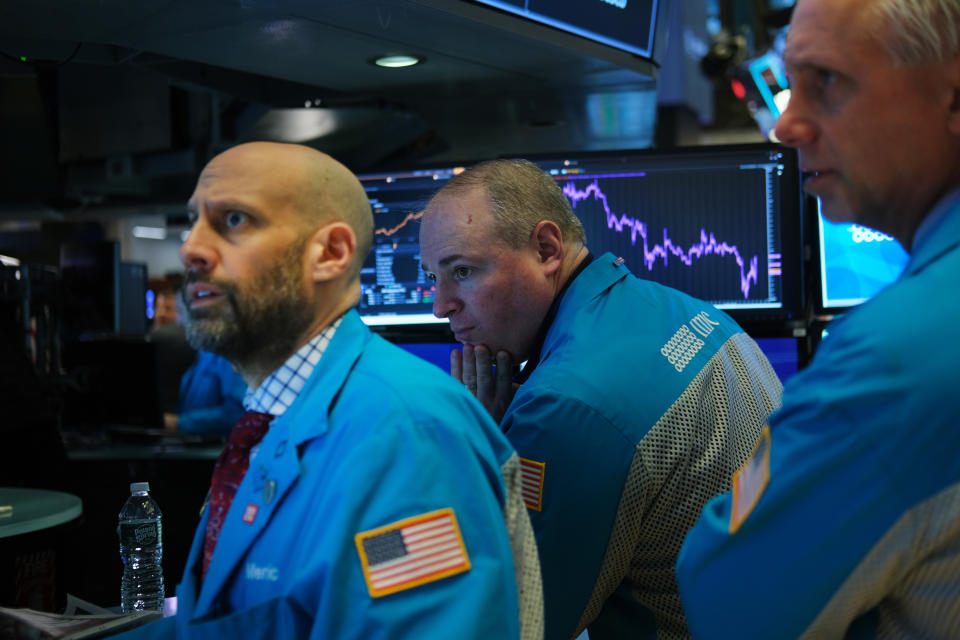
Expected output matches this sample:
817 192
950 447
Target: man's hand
473 368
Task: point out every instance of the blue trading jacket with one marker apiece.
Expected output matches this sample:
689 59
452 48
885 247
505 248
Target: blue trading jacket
643 403
857 533
376 436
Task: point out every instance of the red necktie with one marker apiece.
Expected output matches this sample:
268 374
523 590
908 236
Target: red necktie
228 472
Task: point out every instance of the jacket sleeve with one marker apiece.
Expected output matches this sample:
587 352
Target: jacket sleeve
401 477
857 446
573 515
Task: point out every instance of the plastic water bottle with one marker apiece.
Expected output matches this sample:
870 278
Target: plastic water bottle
141 549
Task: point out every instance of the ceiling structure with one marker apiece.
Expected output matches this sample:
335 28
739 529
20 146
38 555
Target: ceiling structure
115 105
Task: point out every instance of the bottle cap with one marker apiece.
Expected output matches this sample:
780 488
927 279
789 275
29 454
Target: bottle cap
139 486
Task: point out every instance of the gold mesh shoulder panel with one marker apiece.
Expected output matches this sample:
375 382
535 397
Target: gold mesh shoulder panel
526 560
685 459
910 577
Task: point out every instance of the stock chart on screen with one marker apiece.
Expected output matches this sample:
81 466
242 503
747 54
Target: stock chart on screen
720 223
394 289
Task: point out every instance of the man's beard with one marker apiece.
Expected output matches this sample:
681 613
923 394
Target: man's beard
255 323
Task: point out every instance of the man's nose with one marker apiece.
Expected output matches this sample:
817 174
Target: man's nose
795 128
197 251
444 303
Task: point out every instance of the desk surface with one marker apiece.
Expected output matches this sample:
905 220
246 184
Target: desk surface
135 443
158 452
35 509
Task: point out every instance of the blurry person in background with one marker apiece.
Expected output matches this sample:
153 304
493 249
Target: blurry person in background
165 308
210 399
174 353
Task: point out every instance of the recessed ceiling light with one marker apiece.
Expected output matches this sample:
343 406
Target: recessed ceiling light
397 61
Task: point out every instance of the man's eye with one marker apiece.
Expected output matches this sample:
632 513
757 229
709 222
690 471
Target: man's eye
234 218
825 78
461 273
430 276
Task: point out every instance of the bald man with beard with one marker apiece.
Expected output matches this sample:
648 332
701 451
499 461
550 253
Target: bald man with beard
379 498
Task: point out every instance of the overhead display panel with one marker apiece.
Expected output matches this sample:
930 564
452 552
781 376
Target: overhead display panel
628 25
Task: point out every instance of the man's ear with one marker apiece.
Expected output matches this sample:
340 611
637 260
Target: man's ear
330 251
547 240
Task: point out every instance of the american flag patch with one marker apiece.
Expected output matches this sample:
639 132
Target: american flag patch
531 474
412 552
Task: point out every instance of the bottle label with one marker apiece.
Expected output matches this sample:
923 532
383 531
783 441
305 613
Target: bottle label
139 535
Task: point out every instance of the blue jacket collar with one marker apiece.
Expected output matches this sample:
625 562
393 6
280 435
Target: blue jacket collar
600 275
276 467
938 234
327 379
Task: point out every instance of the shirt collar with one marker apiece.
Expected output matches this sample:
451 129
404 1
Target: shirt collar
281 388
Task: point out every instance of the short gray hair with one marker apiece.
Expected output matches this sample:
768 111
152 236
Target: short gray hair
917 31
521 195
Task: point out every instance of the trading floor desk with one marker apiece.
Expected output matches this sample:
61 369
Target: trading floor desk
23 511
178 470
34 525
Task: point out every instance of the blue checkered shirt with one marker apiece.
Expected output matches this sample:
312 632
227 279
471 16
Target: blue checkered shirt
281 388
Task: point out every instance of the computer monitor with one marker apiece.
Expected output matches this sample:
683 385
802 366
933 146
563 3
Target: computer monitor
102 295
436 353
87 271
395 292
130 299
630 27
720 223
785 355
854 263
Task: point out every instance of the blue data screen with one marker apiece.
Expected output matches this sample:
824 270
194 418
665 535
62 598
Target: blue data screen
856 263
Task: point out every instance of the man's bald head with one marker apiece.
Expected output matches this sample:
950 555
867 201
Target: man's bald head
316 185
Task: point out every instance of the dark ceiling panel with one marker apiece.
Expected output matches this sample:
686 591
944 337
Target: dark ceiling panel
144 74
